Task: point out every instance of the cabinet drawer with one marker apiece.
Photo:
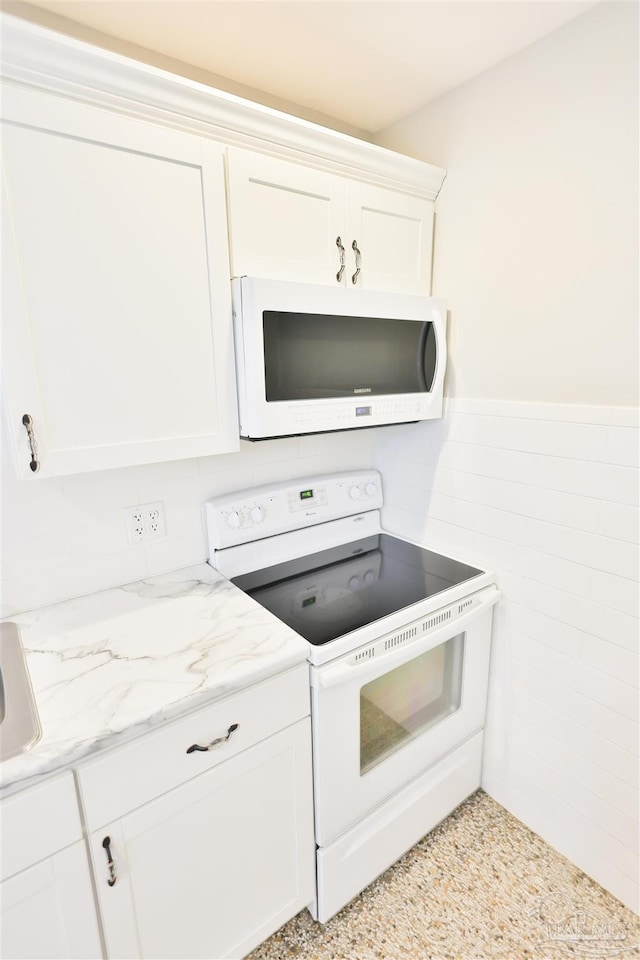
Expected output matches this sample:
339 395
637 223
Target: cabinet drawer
38 822
113 784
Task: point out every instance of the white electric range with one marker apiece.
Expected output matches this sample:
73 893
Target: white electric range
399 641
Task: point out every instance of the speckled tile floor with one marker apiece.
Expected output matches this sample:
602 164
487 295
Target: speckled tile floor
481 885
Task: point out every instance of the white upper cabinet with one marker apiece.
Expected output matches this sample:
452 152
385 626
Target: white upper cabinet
393 234
117 333
284 219
291 222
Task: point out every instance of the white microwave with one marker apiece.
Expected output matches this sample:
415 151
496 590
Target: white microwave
313 359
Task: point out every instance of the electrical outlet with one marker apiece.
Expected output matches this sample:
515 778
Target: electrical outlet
145 521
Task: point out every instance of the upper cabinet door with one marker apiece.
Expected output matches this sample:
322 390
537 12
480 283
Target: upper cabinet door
291 222
117 315
285 219
390 238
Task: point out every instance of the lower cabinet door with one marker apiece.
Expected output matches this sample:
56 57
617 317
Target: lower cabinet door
218 864
48 911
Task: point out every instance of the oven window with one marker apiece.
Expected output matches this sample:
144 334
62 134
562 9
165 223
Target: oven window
400 705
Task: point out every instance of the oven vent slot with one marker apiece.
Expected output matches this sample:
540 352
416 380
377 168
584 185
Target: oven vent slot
438 618
364 654
399 638
465 605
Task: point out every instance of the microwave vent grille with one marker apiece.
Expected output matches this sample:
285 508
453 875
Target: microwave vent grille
465 605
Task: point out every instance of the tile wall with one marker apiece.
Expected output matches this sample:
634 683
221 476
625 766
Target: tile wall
547 496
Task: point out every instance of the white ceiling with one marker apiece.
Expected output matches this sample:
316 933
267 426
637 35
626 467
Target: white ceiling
366 63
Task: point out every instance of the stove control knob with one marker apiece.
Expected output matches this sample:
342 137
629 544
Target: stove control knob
257 514
354 583
354 493
370 488
369 577
233 519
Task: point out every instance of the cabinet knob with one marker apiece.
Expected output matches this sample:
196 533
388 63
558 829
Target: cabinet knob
340 247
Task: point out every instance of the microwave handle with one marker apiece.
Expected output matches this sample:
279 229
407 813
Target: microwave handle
346 670
439 328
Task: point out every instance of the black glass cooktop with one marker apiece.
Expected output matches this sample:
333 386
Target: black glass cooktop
330 593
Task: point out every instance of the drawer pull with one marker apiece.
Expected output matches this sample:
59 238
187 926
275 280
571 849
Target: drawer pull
214 743
111 879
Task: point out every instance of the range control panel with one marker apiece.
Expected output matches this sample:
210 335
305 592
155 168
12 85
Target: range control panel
265 511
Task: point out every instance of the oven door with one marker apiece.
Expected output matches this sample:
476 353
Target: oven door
380 719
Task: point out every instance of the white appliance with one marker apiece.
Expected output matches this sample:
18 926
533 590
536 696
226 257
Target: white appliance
399 640
313 358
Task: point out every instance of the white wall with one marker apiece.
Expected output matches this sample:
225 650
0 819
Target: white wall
65 537
536 251
537 221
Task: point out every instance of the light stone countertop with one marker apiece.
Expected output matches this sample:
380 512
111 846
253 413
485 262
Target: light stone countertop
110 666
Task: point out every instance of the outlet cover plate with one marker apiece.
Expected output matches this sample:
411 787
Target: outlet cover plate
145 521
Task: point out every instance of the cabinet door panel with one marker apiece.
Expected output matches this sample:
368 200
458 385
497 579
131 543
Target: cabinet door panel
393 232
48 910
123 292
214 867
284 219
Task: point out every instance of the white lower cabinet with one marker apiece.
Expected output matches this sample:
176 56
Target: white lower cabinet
218 863
47 909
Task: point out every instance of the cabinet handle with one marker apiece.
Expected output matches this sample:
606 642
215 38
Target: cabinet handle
111 879
33 446
354 247
214 743
341 249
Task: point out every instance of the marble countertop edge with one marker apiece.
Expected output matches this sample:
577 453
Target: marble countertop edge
112 666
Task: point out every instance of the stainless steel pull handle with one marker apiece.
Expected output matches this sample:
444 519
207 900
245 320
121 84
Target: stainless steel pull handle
34 463
354 247
111 879
214 743
340 247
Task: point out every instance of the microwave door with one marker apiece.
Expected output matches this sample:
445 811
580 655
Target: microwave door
320 357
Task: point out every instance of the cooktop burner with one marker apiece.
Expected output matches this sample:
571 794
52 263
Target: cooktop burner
330 593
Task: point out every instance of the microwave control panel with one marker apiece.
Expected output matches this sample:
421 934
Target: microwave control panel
265 511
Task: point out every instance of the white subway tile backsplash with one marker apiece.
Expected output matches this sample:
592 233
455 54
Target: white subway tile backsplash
616 695
612 625
610 659
619 521
547 497
592 714
625 417
615 792
602 481
539 776
616 592
556 722
622 446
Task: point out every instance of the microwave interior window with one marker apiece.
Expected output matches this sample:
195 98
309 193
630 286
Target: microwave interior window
314 356
403 703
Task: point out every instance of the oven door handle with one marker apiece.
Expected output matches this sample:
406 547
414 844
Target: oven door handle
345 670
